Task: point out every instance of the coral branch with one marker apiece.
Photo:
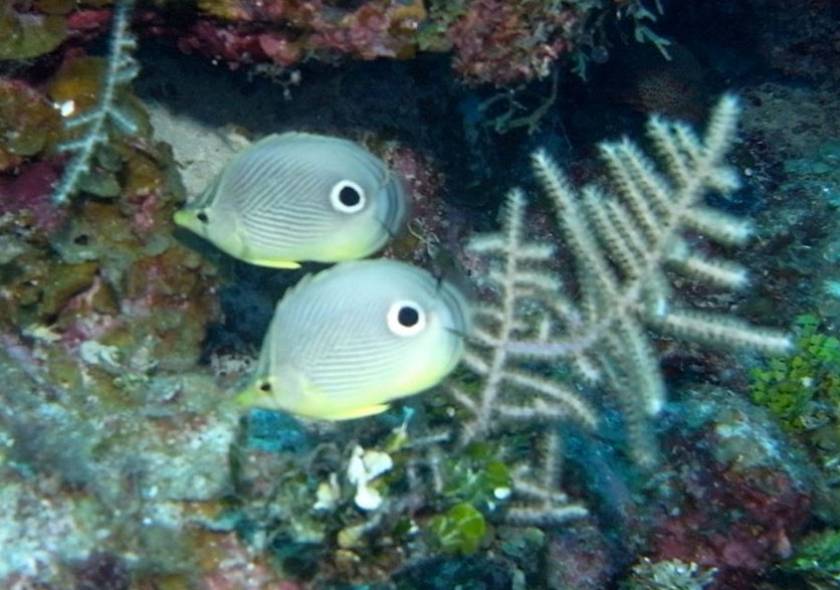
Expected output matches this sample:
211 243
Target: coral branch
621 241
543 504
121 69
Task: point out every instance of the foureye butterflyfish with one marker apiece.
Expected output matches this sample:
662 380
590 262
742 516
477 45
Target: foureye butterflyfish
347 341
299 197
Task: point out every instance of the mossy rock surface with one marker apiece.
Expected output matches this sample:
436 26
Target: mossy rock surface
26 35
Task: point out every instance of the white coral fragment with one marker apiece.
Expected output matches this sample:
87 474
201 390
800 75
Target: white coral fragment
364 467
327 494
94 353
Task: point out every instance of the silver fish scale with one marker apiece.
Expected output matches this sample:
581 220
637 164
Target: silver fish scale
273 183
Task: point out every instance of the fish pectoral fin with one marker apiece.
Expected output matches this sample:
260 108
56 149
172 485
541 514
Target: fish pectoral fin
289 264
358 412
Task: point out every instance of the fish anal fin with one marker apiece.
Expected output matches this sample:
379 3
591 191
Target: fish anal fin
361 412
288 264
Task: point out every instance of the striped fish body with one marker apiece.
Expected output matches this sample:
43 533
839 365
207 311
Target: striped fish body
349 340
299 197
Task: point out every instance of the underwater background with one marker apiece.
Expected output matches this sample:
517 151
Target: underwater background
640 198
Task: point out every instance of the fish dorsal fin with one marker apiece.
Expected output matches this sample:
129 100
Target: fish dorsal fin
207 197
355 150
315 278
293 291
302 136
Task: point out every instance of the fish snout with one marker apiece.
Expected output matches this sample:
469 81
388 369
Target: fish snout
191 219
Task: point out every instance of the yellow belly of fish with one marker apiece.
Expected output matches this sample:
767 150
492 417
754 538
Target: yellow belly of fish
308 402
313 403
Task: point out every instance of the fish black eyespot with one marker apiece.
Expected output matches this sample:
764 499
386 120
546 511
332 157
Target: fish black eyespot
265 386
202 217
347 197
406 318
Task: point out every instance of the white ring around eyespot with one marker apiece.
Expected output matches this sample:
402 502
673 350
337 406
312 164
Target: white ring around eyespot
393 318
335 197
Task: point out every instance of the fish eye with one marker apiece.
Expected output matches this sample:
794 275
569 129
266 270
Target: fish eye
347 197
202 217
406 318
265 386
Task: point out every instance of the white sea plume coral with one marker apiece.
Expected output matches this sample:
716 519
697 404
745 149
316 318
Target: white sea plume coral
622 241
121 68
541 502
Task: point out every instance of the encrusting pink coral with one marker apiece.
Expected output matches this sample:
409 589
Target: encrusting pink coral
494 41
504 42
30 190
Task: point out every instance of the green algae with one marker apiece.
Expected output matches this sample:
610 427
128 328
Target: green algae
101 178
77 85
55 6
801 390
141 288
38 288
432 35
78 82
460 530
817 560
65 282
28 123
25 36
223 9
142 173
475 474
